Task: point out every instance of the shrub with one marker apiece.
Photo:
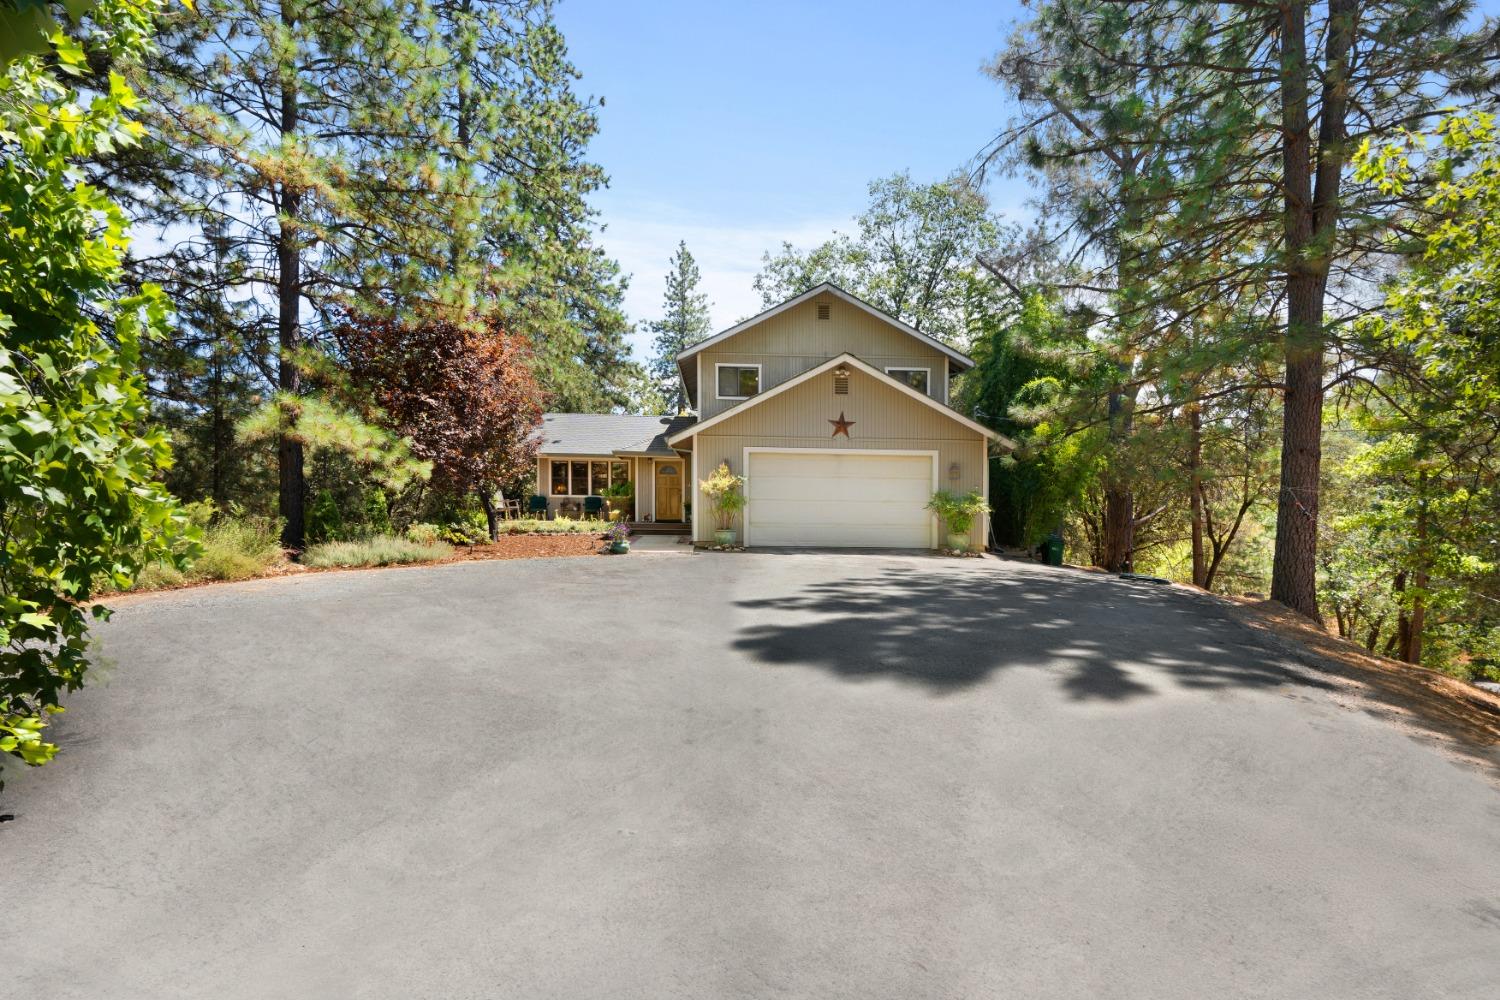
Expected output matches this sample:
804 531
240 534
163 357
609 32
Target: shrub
958 510
464 534
237 548
381 550
726 496
159 576
424 534
325 522
561 526
378 513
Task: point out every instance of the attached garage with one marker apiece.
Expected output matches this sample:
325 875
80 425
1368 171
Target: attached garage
837 498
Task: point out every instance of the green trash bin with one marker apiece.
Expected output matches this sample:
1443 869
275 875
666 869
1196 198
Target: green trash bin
1052 550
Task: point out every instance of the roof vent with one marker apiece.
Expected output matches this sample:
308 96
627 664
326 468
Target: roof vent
822 310
841 381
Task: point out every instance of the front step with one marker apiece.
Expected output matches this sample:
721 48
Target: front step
660 528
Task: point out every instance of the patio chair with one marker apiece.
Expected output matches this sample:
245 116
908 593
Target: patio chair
508 510
538 507
593 508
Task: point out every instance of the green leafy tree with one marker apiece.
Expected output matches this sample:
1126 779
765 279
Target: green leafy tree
914 245
683 323
1251 118
1415 536
1024 355
80 504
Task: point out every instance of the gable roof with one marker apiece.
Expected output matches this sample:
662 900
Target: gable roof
956 358
829 365
608 433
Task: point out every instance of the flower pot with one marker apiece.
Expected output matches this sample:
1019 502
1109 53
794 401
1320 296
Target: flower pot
620 547
959 542
724 536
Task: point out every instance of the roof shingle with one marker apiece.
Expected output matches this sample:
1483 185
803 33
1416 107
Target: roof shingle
607 433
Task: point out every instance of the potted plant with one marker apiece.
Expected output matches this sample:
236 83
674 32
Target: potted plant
621 497
958 512
619 538
726 498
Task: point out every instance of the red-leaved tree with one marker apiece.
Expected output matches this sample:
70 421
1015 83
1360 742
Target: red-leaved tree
467 398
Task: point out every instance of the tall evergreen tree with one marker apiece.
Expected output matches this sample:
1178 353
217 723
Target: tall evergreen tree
1251 119
683 323
407 159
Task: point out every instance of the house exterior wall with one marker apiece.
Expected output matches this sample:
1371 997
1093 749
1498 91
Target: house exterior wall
791 342
884 418
544 466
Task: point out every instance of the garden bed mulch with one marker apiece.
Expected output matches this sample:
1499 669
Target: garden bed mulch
527 547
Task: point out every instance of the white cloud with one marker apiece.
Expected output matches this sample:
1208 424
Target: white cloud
728 256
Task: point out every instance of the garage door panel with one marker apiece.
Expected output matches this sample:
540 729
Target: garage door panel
843 535
786 512
839 499
839 491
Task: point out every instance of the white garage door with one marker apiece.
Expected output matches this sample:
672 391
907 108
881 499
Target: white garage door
839 498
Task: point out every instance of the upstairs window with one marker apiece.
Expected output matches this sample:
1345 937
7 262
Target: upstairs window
917 378
737 381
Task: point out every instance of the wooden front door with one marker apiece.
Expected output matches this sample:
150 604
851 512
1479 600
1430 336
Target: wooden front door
669 491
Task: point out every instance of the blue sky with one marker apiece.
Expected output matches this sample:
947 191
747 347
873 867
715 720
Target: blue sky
737 126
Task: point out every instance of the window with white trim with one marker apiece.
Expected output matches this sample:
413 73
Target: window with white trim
736 381
917 378
590 478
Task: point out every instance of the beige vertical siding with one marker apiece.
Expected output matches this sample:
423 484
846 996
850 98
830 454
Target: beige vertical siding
884 418
645 488
791 342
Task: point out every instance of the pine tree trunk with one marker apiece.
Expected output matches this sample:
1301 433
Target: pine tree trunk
1413 620
1311 181
1119 529
218 431
1294 579
1119 498
1195 499
292 495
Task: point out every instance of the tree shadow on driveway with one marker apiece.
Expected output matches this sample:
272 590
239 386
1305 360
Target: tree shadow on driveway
1113 640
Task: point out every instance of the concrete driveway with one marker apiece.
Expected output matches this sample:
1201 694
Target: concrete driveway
757 775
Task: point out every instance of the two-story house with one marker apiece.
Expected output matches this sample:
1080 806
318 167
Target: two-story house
835 413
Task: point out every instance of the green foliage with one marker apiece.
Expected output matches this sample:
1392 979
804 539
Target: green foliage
321 426
80 499
424 534
1026 358
377 513
558 526
726 495
382 550
914 250
234 546
958 510
684 322
325 522
237 548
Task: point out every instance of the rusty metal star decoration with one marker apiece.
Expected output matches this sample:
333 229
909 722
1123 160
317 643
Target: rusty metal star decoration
841 426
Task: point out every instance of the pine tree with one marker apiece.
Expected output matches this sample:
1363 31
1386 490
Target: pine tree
684 322
1250 120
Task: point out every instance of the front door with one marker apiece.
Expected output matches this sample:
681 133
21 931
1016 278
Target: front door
669 491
